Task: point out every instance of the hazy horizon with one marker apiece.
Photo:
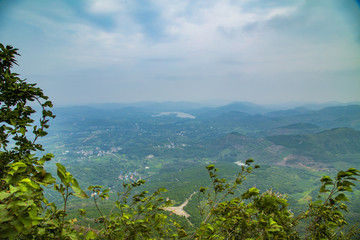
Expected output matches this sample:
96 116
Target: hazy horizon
259 51
213 103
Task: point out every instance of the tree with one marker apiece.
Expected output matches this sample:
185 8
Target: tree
22 173
326 218
25 213
250 216
24 210
267 216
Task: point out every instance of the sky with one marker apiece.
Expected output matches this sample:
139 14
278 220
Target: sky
260 51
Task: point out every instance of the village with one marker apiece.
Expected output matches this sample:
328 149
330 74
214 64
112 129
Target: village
83 154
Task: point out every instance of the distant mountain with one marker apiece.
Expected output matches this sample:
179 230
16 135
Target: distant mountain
234 147
293 129
331 117
296 126
175 106
289 112
246 118
243 122
318 106
293 121
326 146
244 107
238 117
153 106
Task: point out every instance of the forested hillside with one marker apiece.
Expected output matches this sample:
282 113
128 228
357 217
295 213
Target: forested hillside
107 145
113 150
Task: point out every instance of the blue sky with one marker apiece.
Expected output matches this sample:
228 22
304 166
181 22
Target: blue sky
262 51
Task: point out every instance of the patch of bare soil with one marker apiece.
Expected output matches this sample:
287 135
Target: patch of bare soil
302 162
179 210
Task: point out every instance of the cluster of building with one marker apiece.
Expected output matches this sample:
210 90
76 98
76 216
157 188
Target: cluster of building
97 152
171 145
134 176
112 150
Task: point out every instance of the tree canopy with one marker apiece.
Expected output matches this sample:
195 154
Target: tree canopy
25 213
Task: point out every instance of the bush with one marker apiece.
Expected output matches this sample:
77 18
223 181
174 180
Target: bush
25 213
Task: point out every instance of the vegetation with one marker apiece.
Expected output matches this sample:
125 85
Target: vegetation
323 145
25 212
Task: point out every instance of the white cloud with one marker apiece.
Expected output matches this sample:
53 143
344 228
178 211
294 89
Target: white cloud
214 46
105 6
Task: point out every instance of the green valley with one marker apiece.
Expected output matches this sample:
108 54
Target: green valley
111 146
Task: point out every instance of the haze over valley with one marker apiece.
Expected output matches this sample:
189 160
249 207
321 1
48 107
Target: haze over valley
183 95
112 144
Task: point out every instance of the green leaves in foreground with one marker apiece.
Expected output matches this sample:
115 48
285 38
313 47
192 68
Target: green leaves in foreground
22 174
26 214
135 216
68 181
325 214
266 216
250 216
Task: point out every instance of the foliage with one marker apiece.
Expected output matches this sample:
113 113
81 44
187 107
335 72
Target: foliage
266 216
325 214
252 215
139 216
323 146
25 213
22 173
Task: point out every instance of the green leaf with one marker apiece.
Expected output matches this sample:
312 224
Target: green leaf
77 190
250 193
4 195
14 189
210 167
247 162
61 168
62 174
18 165
90 235
211 228
48 104
22 130
341 197
162 190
